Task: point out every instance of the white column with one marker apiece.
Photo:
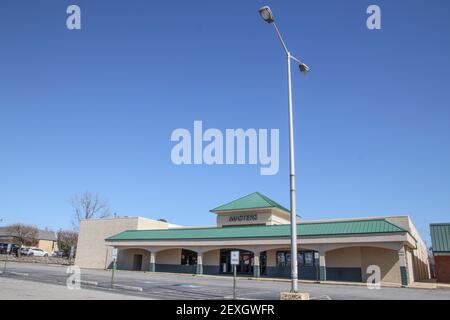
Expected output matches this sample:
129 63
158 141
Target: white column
256 266
199 262
152 261
404 270
322 266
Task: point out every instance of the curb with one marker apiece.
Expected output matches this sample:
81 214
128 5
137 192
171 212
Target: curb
337 283
87 282
125 287
38 263
18 274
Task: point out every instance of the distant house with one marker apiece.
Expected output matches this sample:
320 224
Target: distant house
440 237
47 240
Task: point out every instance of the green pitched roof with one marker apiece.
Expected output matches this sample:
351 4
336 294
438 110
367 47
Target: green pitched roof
440 237
251 201
304 229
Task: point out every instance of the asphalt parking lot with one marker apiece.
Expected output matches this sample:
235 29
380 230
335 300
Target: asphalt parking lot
16 289
179 286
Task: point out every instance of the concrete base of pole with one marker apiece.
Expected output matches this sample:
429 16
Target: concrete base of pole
294 296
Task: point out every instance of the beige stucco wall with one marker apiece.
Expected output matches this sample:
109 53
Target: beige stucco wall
410 265
344 258
171 256
418 262
387 260
48 246
363 257
276 220
125 259
211 258
92 251
271 258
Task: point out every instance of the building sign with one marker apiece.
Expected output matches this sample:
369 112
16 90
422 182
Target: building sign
243 218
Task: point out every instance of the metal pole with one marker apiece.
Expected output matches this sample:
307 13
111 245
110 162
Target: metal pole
112 275
294 271
4 266
234 282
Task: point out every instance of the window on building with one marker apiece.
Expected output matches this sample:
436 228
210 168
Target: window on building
301 258
281 259
309 259
304 258
188 258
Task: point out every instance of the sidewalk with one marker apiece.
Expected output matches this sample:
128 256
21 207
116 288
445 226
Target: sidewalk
427 284
430 284
337 283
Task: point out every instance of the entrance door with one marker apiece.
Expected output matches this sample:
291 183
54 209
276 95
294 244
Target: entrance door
246 259
245 265
137 262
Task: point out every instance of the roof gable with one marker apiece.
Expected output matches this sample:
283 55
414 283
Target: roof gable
251 201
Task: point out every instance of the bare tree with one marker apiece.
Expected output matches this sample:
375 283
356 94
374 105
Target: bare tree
88 206
23 235
66 240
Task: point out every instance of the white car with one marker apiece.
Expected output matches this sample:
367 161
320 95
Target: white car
35 252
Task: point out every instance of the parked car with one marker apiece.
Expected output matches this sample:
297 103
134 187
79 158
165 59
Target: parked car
36 252
59 254
24 251
14 249
4 248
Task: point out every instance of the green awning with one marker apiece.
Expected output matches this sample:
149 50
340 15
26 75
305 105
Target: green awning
332 228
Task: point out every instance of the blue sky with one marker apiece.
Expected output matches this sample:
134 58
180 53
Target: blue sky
94 109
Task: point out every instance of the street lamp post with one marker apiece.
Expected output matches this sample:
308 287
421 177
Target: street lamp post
268 16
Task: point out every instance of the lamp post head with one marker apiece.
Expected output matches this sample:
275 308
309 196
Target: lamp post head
304 68
266 14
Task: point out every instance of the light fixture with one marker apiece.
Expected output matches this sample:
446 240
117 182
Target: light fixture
304 68
267 14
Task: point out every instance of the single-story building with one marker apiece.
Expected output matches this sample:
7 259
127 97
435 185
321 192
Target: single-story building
46 240
337 250
440 238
